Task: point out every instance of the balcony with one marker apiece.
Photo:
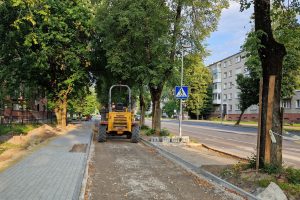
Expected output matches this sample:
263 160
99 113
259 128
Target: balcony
217 80
218 90
217 101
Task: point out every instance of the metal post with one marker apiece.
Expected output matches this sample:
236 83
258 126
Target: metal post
181 83
221 97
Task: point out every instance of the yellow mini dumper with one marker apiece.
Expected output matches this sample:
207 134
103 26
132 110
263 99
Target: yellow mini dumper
119 120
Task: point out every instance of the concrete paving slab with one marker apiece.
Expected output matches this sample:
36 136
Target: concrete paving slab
51 172
198 155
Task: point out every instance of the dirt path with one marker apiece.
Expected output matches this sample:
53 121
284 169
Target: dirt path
122 170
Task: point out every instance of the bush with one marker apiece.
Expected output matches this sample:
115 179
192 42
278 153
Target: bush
145 127
264 182
271 169
293 175
252 161
164 132
149 132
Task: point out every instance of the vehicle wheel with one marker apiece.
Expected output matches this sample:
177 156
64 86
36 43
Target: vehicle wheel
102 133
128 136
135 134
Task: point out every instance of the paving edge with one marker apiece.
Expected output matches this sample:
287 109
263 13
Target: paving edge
225 153
82 180
199 171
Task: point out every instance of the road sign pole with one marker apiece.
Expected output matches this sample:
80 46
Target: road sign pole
181 83
180 118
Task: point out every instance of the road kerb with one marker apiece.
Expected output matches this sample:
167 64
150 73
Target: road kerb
198 171
84 178
224 153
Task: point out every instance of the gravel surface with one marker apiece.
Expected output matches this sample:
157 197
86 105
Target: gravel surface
123 170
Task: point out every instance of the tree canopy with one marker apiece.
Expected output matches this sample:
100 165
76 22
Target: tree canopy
287 31
198 78
140 39
46 43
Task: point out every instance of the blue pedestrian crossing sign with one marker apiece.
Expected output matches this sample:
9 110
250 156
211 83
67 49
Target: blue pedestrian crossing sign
181 92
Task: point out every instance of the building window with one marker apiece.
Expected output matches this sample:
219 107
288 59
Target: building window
237 107
215 86
298 103
225 86
237 59
230 73
230 107
225 97
216 96
286 103
230 62
215 76
225 74
225 64
219 64
230 96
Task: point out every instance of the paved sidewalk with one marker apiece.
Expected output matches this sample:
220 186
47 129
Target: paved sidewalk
51 172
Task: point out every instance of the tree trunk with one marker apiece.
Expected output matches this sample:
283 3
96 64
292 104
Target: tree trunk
142 108
271 55
58 113
156 111
240 118
64 112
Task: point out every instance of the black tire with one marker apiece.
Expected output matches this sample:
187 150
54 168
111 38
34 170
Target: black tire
135 134
102 136
128 136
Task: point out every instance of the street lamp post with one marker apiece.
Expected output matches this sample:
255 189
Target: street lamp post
181 83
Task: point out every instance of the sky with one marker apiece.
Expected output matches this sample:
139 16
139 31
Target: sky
231 33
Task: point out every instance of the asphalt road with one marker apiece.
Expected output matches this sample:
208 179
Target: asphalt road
124 170
240 141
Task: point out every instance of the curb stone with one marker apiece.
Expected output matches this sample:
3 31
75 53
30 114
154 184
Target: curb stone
81 182
198 171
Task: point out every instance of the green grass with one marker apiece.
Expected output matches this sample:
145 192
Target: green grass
293 189
4 146
290 188
17 128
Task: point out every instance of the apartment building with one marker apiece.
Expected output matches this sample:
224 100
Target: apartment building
226 94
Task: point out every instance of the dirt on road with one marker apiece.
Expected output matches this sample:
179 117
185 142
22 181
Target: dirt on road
123 170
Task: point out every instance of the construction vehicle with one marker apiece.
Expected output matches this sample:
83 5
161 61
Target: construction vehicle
119 120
